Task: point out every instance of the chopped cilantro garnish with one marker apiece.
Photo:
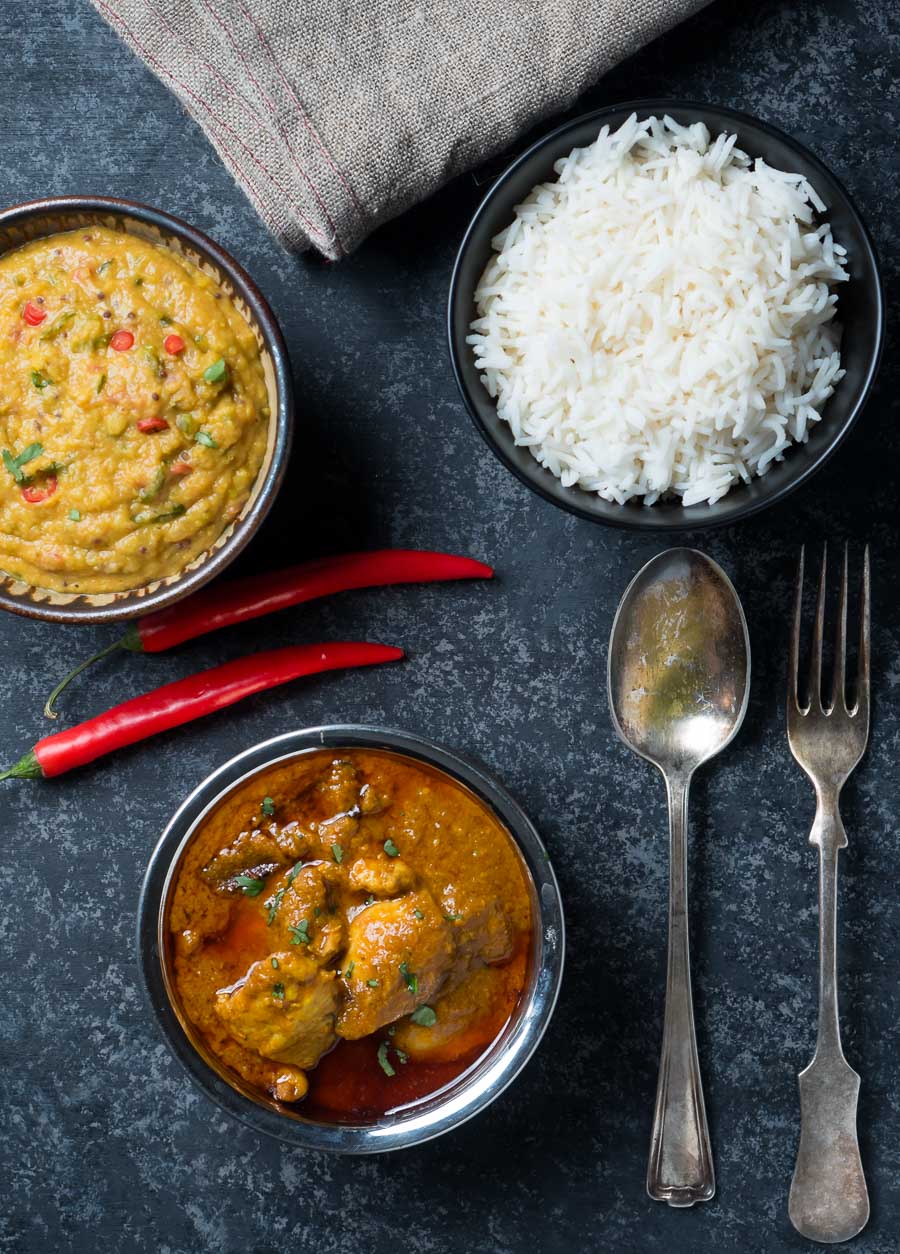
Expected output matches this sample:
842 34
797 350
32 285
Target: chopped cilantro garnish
412 980
216 372
154 486
101 384
418 914
274 964
39 380
251 885
383 1061
278 991
349 970
424 1016
57 326
300 933
373 983
75 515
146 516
268 806
277 899
451 918
151 356
14 464
337 853
391 849
204 438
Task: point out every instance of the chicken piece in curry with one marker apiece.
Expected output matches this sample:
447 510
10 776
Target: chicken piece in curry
350 928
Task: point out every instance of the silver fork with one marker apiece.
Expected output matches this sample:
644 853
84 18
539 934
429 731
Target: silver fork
829 1200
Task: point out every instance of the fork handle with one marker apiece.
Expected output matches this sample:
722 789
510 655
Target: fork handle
680 1170
828 1201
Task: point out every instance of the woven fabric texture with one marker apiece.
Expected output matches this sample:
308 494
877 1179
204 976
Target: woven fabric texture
335 117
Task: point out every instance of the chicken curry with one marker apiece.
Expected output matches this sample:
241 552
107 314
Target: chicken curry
350 928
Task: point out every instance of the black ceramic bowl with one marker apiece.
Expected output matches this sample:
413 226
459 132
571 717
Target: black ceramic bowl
450 1106
860 312
40 218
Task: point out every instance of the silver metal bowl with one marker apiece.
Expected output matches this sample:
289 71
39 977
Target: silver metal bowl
468 1093
39 218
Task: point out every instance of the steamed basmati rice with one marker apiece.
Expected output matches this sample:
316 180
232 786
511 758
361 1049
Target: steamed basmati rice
658 321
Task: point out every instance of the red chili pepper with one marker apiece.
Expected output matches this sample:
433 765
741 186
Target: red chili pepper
122 341
181 468
37 492
173 344
187 699
152 424
33 314
240 600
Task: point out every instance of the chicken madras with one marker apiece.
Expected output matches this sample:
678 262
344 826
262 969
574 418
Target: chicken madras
350 928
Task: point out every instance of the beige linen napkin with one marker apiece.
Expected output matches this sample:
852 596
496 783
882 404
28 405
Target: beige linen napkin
335 117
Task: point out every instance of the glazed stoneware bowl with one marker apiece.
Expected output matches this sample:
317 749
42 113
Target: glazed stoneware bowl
41 218
443 1110
860 313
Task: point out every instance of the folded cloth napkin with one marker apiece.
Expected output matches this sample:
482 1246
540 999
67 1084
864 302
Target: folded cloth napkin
336 116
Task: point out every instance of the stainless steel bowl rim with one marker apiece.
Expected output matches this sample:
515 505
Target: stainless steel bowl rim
488 1077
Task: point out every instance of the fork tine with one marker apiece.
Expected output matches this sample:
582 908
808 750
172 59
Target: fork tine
838 686
794 657
862 683
814 691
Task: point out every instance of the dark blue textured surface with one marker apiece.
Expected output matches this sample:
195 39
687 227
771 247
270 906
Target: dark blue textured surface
106 1145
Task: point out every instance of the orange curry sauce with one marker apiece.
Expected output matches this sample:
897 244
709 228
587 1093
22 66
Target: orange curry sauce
349 931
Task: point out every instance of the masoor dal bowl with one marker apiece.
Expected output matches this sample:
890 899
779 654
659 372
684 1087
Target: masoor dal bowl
145 409
304 1123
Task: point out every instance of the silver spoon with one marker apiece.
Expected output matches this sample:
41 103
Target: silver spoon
679 678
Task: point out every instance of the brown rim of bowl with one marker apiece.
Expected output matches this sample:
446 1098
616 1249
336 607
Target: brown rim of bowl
255 308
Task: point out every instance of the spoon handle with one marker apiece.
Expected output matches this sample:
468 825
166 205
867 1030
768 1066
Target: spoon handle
680 1170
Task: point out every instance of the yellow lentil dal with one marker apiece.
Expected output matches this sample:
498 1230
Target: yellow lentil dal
133 412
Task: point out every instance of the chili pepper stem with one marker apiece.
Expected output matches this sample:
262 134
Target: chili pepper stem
27 767
82 666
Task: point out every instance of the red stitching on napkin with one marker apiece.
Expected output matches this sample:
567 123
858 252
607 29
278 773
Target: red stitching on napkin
268 99
312 229
267 48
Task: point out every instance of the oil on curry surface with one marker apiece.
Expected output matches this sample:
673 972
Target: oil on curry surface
357 908
133 412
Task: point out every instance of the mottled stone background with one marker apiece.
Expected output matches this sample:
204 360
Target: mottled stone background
105 1144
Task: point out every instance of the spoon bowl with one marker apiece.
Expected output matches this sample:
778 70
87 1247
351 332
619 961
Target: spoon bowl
679 679
679 661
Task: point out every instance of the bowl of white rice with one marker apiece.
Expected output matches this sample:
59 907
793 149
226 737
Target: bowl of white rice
665 315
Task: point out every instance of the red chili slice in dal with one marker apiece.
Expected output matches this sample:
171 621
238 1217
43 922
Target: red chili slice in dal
33 314
152 424
37 492
173 344
122 341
